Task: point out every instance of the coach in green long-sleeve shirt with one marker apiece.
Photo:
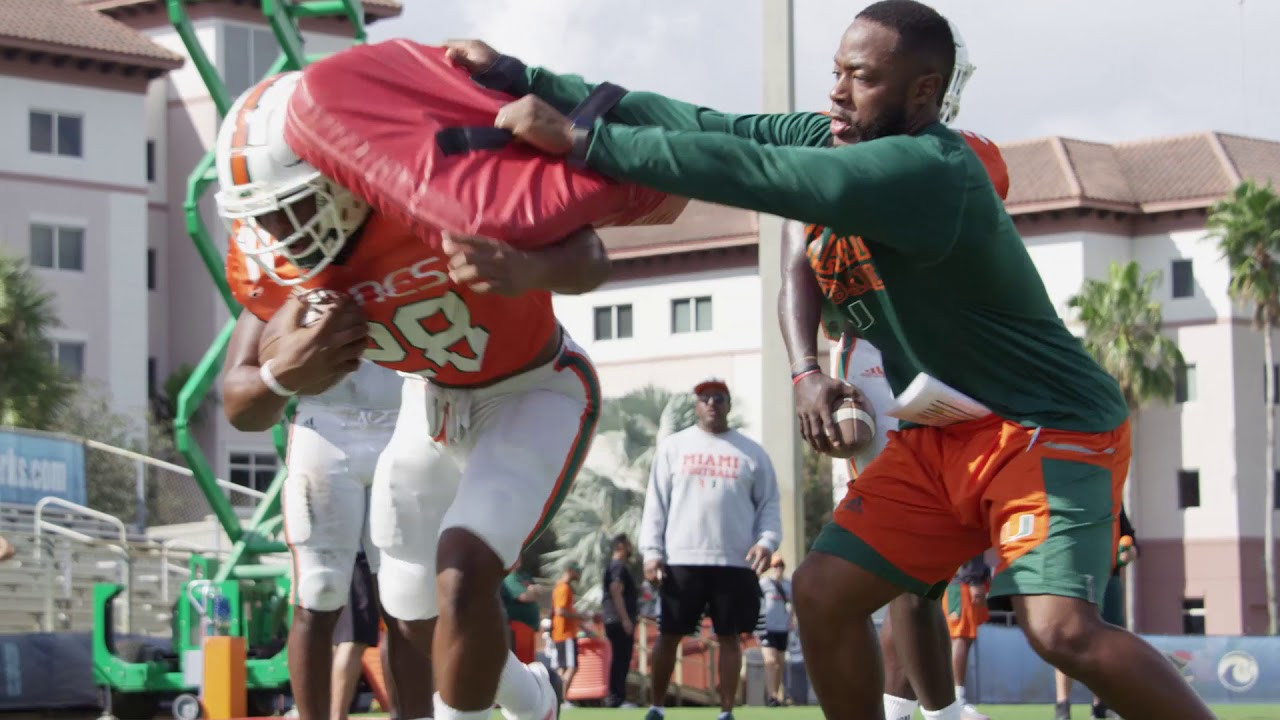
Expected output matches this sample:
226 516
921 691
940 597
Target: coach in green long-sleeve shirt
916 251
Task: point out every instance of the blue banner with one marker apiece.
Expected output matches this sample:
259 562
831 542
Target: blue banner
1221 669
33 466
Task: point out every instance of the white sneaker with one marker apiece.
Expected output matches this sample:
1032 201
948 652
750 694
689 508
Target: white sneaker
970 712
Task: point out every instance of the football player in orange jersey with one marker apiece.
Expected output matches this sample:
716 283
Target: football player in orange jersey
498 404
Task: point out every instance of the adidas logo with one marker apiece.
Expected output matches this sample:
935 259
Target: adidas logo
876 371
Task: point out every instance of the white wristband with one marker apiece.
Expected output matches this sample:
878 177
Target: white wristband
269 379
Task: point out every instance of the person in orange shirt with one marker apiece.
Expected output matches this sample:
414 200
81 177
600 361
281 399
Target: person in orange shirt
564 624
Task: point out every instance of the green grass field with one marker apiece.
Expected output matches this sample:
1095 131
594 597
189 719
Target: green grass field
997 712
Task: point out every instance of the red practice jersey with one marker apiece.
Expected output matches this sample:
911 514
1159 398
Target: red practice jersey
419 320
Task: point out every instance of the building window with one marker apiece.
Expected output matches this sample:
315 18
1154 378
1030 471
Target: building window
152 377
1184 387
613 322
56 134
1184 279
70 357
691 315
151 268
247 55
253 470
151 161
58 248
1193 616
1188 488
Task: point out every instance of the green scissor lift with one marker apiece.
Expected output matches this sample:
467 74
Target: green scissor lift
134 675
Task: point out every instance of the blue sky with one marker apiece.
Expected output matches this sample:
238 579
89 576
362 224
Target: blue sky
1106 70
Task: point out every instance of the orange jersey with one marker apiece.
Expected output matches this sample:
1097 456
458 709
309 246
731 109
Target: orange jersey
419 320
991 159
562 628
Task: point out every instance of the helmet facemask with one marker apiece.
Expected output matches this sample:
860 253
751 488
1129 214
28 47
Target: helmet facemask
307 224
960 74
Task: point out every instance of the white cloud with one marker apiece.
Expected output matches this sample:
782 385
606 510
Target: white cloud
704 50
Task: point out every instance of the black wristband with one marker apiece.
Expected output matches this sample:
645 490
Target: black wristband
807 368
504 74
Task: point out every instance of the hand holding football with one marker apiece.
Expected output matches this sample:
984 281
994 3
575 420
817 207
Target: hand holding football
314 342
855 425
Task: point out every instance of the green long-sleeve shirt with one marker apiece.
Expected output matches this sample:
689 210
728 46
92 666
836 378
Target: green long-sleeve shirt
916 251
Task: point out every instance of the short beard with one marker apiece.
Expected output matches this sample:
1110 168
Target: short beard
893 122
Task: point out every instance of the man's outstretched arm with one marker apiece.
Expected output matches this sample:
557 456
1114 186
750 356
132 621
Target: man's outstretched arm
901 191
565 92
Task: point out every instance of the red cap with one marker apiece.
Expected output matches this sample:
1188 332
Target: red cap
711 383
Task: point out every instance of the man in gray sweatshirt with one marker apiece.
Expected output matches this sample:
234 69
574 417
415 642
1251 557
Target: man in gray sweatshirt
711 523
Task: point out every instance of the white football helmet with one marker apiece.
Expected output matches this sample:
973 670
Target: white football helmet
959 76
258 173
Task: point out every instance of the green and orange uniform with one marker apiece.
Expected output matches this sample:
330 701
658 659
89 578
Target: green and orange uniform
929 268
964 616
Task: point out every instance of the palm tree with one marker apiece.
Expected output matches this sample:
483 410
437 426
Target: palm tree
1247 228
32 386
607 497
1123 330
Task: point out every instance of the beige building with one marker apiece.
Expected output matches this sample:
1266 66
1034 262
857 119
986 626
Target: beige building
105 119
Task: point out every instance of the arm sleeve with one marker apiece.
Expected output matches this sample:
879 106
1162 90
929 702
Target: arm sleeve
657 500
975 572
906 192
768 520
565 92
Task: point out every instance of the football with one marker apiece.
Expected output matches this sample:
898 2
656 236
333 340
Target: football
855 425
318 304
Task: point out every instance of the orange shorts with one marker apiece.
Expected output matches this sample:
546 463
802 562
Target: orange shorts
522 642
963 615
935 497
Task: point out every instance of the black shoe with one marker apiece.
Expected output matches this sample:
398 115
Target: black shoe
771 702
1100 710
1062 711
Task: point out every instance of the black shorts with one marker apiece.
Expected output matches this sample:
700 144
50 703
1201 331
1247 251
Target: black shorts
775 640
729 595
567 654
359 620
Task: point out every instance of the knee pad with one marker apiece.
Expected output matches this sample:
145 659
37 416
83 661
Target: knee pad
412 488
322 579
407 585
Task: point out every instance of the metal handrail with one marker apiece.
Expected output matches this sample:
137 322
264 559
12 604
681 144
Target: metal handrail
42 525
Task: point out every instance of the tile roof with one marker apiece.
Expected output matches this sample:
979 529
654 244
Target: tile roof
78 31
701 225
1143 176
